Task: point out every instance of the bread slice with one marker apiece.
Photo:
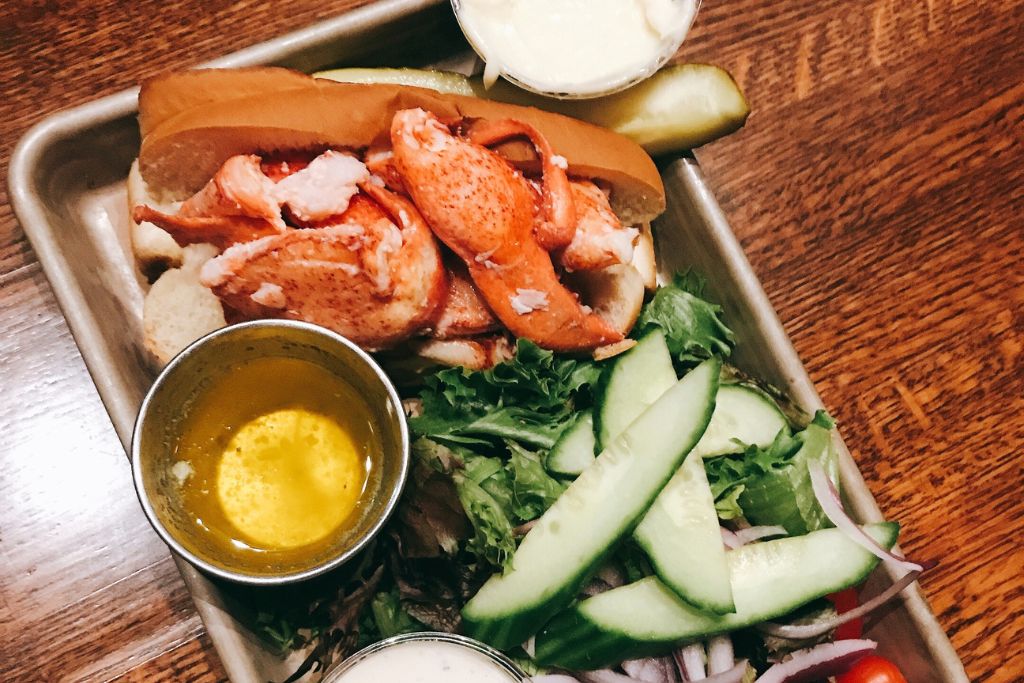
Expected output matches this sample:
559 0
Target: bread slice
177 309
155 250
192 124
643 258
165 96
616 294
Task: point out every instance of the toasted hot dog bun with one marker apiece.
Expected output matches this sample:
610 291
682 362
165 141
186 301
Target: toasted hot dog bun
191 122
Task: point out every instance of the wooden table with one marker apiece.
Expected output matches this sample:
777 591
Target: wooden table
878 189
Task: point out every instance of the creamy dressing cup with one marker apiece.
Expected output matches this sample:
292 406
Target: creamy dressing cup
427 658
574 49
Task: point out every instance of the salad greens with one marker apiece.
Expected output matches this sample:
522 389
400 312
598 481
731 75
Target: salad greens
771 485
528 399
388 616
692 325
478 479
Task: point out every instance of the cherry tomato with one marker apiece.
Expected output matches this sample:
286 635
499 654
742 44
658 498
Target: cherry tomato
844 601
872 669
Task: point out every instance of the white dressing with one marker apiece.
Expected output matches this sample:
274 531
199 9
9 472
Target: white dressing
574 46
425 661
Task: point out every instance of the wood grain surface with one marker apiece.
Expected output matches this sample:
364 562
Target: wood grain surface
878 189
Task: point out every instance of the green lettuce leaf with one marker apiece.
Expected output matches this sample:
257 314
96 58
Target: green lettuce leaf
533 489
490 474
528 399
727 504
390 618
692 325
485 494
772 485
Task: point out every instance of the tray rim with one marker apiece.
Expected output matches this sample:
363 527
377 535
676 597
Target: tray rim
28 210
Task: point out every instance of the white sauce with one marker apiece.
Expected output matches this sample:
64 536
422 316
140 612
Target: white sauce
425 662
583 47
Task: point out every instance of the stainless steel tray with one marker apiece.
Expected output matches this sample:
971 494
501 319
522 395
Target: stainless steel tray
67 188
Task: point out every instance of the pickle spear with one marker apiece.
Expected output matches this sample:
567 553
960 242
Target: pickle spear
446 82
679 108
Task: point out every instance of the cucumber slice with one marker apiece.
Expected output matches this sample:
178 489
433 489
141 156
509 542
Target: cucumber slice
572 538
441 81
680 107
683 540
743 414
769 580
680 532
637 378
574 450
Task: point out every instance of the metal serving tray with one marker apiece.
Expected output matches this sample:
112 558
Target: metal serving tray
67 187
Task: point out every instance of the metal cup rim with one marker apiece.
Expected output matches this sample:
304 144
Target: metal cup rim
292 577
496 656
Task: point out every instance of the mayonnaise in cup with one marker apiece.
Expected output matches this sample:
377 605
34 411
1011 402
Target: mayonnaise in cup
574 48
427 658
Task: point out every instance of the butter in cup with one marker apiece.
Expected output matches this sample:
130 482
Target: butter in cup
270 452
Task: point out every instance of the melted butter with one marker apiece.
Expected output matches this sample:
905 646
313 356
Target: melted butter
280 452
289 478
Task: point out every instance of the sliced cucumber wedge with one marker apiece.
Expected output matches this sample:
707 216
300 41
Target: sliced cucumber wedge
680 107
743 415
574 450
680 532
635 381
769 580
442 81
576 533
683 540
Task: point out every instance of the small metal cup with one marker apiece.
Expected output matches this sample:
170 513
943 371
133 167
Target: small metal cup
624 82
206 361
503 663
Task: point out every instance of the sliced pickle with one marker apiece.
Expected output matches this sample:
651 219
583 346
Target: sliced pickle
679 108
442 81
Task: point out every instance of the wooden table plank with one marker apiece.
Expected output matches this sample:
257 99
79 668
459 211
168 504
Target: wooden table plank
877 189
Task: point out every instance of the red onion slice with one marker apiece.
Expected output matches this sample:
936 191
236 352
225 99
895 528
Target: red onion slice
650 670
551 678
690 660
612 575
819 662
832 505
595 587
605 676
720 654
756 533
729 539
733 675
805 631
524 528
530 647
